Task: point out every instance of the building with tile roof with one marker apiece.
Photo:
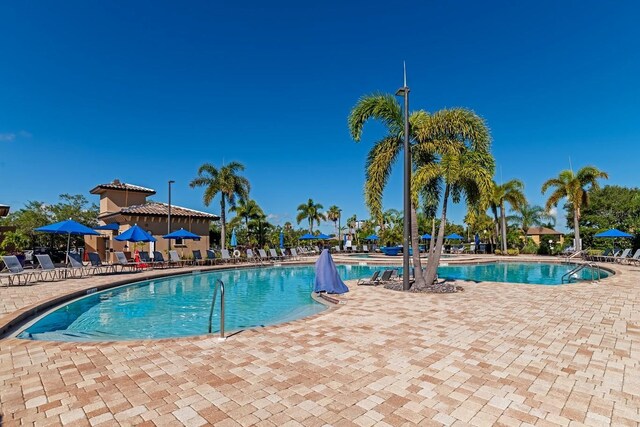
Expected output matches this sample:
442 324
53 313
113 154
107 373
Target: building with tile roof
126 204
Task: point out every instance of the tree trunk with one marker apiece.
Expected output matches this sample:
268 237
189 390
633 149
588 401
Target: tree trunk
496 223
504 229
433 235
576 227
417 264
223 223
434 258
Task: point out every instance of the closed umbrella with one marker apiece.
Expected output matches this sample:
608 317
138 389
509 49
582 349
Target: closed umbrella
68 227
234 239
281 240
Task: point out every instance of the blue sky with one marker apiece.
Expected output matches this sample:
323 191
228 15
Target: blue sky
147 91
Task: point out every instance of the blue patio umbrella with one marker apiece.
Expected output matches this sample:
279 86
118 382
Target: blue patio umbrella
322 236
135 234
234 239
68 227
181 234
327 278
613 233
426 236
372 237
454 236
114 226
307 236
281 240
476 239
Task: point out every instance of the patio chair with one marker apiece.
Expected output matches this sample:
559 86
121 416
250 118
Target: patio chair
294 254
274 255
610 258
145 258
16 271
251 257
623 257
197 257
77 266
158 259
96 263
372 281
285 256
635 259
365 248
211 257
174 258
123 262
316 250
48 269
224 255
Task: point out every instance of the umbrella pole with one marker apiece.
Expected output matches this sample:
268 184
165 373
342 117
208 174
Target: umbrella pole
66 256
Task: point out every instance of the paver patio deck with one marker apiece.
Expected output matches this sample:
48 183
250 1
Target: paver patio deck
495 354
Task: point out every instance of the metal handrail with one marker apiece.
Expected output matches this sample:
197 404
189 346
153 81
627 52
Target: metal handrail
219 284
594 267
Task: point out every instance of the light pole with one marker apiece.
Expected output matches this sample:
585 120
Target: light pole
339 231
169 213
404 92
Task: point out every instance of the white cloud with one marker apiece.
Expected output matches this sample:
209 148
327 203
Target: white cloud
553 211
7 137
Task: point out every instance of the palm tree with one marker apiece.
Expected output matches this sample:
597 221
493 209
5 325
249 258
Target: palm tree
333 214
574 188
527 216
225 181
248 210
511 192
311 212
466 174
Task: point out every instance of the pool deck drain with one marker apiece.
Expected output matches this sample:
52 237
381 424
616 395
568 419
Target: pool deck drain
494 354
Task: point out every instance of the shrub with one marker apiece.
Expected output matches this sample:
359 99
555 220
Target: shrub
498 252
530 248
513 252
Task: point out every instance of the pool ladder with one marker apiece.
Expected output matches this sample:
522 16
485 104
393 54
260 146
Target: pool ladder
219 284
594 268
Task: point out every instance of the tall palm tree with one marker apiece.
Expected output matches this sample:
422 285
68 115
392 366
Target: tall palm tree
311 212
225 181
333 214
386 109
575 187
527 216
511 192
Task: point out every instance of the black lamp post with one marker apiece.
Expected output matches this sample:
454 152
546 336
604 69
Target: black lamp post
404 92
169 213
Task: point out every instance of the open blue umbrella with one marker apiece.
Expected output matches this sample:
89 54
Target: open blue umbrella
307 236
327 278
135 234
372 237
322 236
281 240
613 233
181 234
454 236
68 227
114 226
234 239
426 236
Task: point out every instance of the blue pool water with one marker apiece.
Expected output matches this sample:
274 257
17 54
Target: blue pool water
179 306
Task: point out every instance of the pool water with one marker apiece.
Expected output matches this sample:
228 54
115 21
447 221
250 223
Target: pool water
179 306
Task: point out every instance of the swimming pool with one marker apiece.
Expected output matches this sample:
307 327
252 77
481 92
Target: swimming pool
179 306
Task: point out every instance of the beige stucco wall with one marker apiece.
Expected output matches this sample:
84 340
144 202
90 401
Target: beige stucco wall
114 200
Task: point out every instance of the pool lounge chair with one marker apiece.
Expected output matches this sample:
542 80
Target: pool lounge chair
262 255
251 257
635 259
77 266
285 256
47 269
365 248
372 281
274 255
158 260
99 267
123 262
197 257
211 257
623 257
174 258
294 254
14 270
145 258
225 257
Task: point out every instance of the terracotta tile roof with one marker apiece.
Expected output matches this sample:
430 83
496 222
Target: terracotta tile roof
162 209
538 231
117 185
